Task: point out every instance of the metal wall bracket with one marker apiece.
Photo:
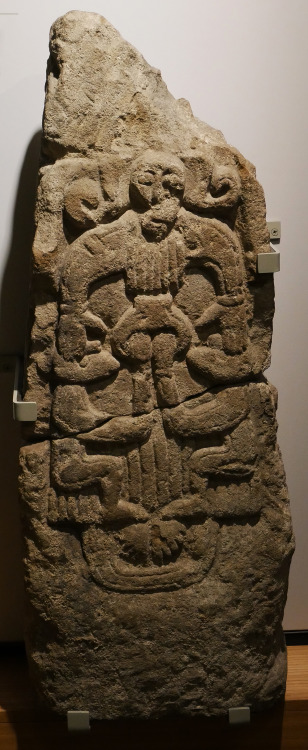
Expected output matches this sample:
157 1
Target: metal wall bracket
268 262
78 721
23 411
239 715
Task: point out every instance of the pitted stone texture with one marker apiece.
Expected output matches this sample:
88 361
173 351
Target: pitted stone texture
153 495
155 606
142 199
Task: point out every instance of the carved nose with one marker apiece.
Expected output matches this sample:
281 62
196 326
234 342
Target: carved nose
158 194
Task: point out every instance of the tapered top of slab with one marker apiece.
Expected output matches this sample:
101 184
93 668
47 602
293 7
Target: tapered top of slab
103 95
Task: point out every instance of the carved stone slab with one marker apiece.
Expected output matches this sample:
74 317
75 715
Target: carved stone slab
155 510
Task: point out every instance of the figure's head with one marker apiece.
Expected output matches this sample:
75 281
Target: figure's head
156 190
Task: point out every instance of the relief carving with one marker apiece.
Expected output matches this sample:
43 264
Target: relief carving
154 457
117 473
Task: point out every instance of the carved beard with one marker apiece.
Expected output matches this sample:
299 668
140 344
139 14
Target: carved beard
157 222
154 229
153 269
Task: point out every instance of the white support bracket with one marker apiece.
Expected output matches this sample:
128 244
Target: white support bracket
78 721
268 262
239 715
23 411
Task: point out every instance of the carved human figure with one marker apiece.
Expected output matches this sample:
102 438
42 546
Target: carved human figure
137 246
153 247
150 246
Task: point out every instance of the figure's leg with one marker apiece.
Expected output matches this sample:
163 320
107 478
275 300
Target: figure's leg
163 352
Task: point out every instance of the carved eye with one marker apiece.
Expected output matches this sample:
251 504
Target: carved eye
146 179
173 186
172 182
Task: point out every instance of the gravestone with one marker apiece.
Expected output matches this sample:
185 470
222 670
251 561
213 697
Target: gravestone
154 503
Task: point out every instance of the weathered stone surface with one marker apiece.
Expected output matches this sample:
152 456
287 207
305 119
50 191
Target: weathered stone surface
153 494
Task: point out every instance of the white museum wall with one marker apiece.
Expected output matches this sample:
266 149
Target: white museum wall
243 65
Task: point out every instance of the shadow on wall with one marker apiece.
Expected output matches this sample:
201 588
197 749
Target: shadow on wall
13 321
16 277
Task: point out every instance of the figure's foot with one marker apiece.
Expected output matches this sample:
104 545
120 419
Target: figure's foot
72 411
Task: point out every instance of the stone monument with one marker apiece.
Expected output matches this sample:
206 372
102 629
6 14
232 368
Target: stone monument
155 510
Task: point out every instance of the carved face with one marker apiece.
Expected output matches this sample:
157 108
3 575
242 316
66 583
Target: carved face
156 189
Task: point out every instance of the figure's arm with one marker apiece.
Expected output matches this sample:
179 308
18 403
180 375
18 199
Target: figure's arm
96 255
